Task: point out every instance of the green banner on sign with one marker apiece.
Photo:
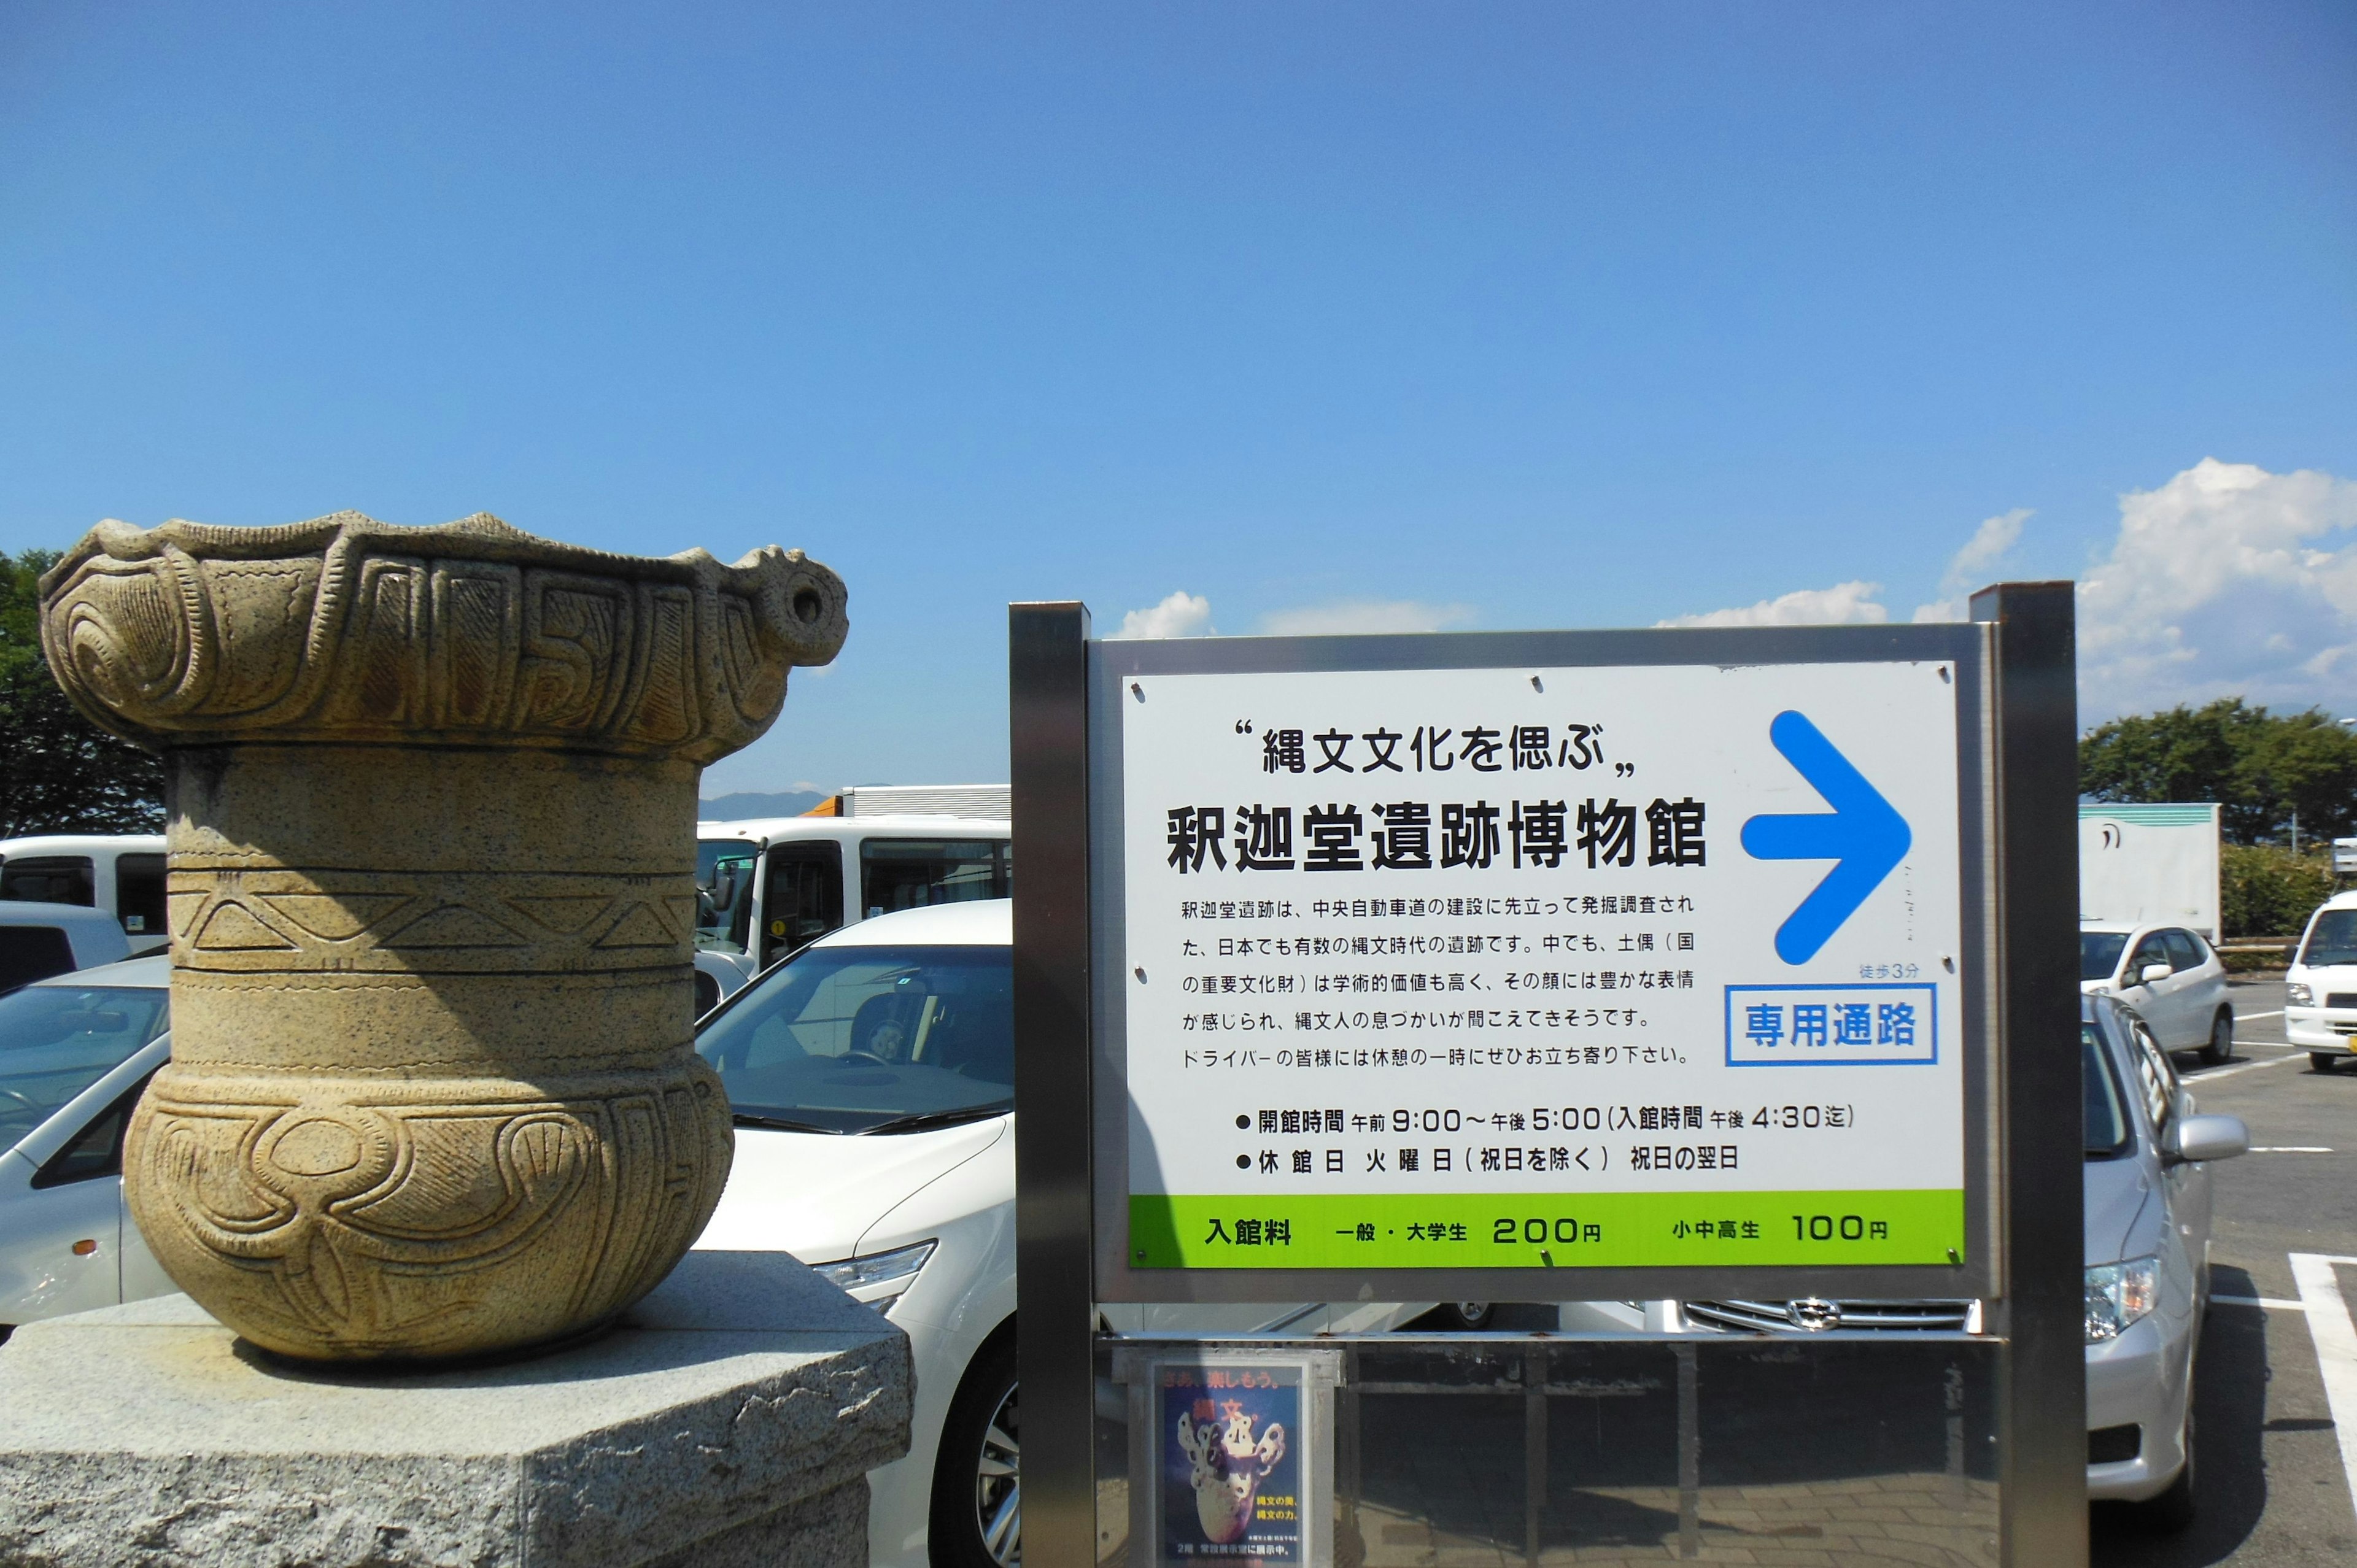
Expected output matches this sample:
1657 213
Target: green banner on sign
1542 1230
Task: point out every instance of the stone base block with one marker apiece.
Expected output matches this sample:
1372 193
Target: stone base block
728 1420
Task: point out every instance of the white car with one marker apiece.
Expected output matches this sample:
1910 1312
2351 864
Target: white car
2172 978
872 1081
2320 989
75 1051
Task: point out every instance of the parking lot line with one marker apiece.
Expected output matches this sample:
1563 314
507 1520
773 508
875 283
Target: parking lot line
2335 1337
2277 1013
2243 1066
2287 1149
2272 1303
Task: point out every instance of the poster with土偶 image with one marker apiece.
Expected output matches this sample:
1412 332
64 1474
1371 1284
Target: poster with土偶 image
1230 1439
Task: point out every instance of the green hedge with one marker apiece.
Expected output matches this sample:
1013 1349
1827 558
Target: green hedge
2268 891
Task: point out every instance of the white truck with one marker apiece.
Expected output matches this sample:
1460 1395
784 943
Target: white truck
2150 864
121 873
769 886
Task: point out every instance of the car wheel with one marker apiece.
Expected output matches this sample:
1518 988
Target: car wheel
2173 1510
2221 1048
707 994
977 1512
1467 1315
2320 1061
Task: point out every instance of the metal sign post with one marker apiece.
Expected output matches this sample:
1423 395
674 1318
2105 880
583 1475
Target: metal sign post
1549 966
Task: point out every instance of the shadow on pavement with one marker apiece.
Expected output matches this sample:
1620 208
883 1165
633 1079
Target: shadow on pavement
2230 1415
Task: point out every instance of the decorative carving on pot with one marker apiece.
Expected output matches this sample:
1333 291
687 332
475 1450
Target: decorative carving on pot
431 798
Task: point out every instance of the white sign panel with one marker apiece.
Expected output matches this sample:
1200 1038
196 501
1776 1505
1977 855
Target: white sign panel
1544 967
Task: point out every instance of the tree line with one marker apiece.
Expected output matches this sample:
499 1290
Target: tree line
2265 769
2269 772
58 772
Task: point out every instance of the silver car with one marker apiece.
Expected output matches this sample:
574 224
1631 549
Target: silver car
2148 1228
75 1051
2147 1267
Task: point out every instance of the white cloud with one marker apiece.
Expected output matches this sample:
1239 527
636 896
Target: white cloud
1844 604
1970 568
1181 614
1358 616
2227 581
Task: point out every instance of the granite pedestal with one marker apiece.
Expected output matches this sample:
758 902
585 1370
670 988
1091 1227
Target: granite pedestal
728 1419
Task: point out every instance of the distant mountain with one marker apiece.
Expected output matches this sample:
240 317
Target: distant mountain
737 808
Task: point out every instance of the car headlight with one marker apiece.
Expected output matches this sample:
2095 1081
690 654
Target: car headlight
2298 994
896 1269
2119 1294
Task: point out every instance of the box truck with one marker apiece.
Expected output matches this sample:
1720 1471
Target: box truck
2150 863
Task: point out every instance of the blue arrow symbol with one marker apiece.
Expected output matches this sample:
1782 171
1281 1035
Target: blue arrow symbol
1862 832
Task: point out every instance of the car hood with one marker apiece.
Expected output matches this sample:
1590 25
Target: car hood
2326 977
2117 1194
816 1193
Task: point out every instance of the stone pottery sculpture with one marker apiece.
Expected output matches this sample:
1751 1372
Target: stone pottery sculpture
432 795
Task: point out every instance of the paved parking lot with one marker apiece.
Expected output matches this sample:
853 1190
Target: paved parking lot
2275 1480
2275 1474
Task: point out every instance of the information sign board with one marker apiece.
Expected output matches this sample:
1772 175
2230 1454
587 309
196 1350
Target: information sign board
1544 965
1547 966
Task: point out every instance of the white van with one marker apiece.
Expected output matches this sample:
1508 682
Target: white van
2320 989
121 873
767 887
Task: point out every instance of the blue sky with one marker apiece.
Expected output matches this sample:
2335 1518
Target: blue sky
1331 316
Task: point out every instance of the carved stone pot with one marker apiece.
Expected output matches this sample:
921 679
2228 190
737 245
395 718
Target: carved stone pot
432 797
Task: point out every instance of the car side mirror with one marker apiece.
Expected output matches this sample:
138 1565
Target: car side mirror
2152 972
2197 1138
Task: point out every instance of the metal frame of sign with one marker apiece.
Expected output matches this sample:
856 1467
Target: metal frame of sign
2016 746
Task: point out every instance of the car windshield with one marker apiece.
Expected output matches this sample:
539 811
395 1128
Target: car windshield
2332 940
58 1040
2099 953
2108 1128
861 1039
